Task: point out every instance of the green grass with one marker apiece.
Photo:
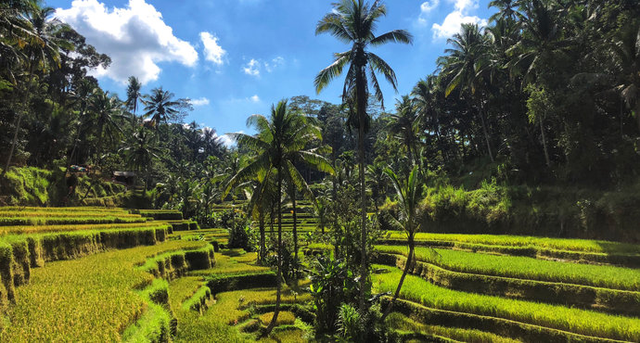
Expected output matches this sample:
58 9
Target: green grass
526 268
89 299
583 245
552 316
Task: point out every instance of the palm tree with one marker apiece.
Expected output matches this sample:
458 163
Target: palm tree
133 96
262 192
353 22
464 65
160 107
404 126
507 10
108 114
141 152
625 46
281 140
409 194
42 52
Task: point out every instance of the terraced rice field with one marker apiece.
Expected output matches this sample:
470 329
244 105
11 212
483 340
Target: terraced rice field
473 282
157 278
131 281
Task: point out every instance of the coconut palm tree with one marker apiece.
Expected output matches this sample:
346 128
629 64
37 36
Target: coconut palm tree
464 66
409 193
141 151
354 22
133 96
107 118
404 126
160 107
281 140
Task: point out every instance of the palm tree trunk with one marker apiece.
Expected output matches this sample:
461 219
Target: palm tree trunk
19 120
276 311
263 248
295 235
13 143
407 266
486 133
638 113
361 108
544 144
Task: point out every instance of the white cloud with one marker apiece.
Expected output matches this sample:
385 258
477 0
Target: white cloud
465 5
275 63
255 98
451 24
228 141
135 37
212 50
199 102
425 10
252 68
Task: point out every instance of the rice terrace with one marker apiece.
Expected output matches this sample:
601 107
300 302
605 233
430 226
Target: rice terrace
346 171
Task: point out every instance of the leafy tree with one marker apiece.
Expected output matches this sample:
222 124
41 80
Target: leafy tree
281 140
160 107
464 65
353 22
107 119
141 151
409 194
42 52
133 94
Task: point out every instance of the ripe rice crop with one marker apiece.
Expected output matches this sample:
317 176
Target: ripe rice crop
558 317
88 299
13 221
526 268
61 209
29 229
67 214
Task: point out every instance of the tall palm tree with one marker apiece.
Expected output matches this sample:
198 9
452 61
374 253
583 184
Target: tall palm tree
160 107
465 64
409 196
107 118
404 126
354 22
141 151
281 140
42 51
133 95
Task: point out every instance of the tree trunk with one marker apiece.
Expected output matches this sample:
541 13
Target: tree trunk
276 311
544 144
486 135
13 143
263 248
19 119
637 113
404 274
295 235
361 108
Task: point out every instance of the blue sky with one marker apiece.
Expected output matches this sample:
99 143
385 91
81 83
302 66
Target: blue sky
234 58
